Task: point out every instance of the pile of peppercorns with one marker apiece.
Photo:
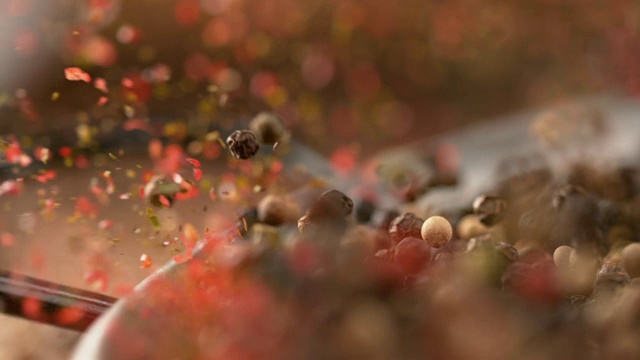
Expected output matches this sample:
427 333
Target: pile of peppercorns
542 266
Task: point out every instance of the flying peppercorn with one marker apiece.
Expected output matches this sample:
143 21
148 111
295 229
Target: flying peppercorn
489 209
405 225
242 144
268 127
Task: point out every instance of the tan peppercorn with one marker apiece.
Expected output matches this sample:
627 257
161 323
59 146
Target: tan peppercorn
436 231
562 255
631 259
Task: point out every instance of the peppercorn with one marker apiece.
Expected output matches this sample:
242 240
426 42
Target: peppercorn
611 276
242 144
412 254
509 252
382 218
364 211
631 259
273 210
267 127
405 225
332 203
489 209
436 231
562 256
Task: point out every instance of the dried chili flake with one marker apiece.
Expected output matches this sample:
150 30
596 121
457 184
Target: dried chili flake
101 84
102 100
76 74
193 162
145 261
197 174
164 201
42 154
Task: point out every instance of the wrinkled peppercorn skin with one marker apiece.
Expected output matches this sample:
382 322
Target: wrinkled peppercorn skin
243 144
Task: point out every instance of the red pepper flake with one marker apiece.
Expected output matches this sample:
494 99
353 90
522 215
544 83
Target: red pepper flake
164 201
102 101
128 83
193 162
197 173
12 153
45 176
42 154
101 84
145 261
7 239
76 74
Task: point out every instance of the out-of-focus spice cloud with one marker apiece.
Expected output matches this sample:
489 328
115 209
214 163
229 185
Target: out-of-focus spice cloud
372 71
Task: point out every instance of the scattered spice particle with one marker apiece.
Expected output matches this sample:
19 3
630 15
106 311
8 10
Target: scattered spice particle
197 174
145 261
155 222
193 162
76 74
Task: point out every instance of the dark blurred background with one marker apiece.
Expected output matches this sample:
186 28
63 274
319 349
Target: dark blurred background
376 72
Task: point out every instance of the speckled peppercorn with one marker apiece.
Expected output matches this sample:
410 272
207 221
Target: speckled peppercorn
242 144
332 203
436 231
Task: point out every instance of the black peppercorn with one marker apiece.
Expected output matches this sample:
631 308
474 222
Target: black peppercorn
405 225
489 209
332 203
611 276
364 211
509 252
242 144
